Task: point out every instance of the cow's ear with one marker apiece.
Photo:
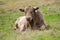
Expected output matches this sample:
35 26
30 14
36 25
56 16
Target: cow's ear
36 8
22 10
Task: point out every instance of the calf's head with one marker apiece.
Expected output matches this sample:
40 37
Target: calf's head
29 12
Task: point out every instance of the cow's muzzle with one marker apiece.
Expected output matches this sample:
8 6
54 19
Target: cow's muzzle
29 19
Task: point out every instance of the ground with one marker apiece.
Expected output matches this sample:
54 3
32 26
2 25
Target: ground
9 12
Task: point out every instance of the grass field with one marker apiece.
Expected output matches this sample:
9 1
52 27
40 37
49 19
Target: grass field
9 12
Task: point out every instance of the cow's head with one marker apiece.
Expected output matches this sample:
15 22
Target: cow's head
30 12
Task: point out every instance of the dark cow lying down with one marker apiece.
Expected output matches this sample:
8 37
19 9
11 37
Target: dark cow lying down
34 17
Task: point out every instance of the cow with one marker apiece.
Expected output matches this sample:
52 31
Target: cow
22 24
34 17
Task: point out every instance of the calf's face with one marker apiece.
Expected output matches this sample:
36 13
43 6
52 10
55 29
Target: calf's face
29 12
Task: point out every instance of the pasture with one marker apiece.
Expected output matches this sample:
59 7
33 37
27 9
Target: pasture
9 12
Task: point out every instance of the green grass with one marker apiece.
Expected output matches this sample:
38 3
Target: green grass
9 13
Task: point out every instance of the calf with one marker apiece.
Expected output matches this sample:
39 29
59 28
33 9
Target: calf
21 23
34 17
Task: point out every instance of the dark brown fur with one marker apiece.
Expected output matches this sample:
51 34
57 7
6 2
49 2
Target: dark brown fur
34 16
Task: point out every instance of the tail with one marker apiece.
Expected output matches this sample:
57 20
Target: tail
16 27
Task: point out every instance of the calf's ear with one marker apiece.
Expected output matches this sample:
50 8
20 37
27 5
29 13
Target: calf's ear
22 10
36 8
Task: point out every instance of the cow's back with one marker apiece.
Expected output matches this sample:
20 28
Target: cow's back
39 19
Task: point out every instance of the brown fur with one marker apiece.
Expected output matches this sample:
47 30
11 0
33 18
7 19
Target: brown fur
34 17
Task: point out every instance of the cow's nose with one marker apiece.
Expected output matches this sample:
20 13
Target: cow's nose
28 19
